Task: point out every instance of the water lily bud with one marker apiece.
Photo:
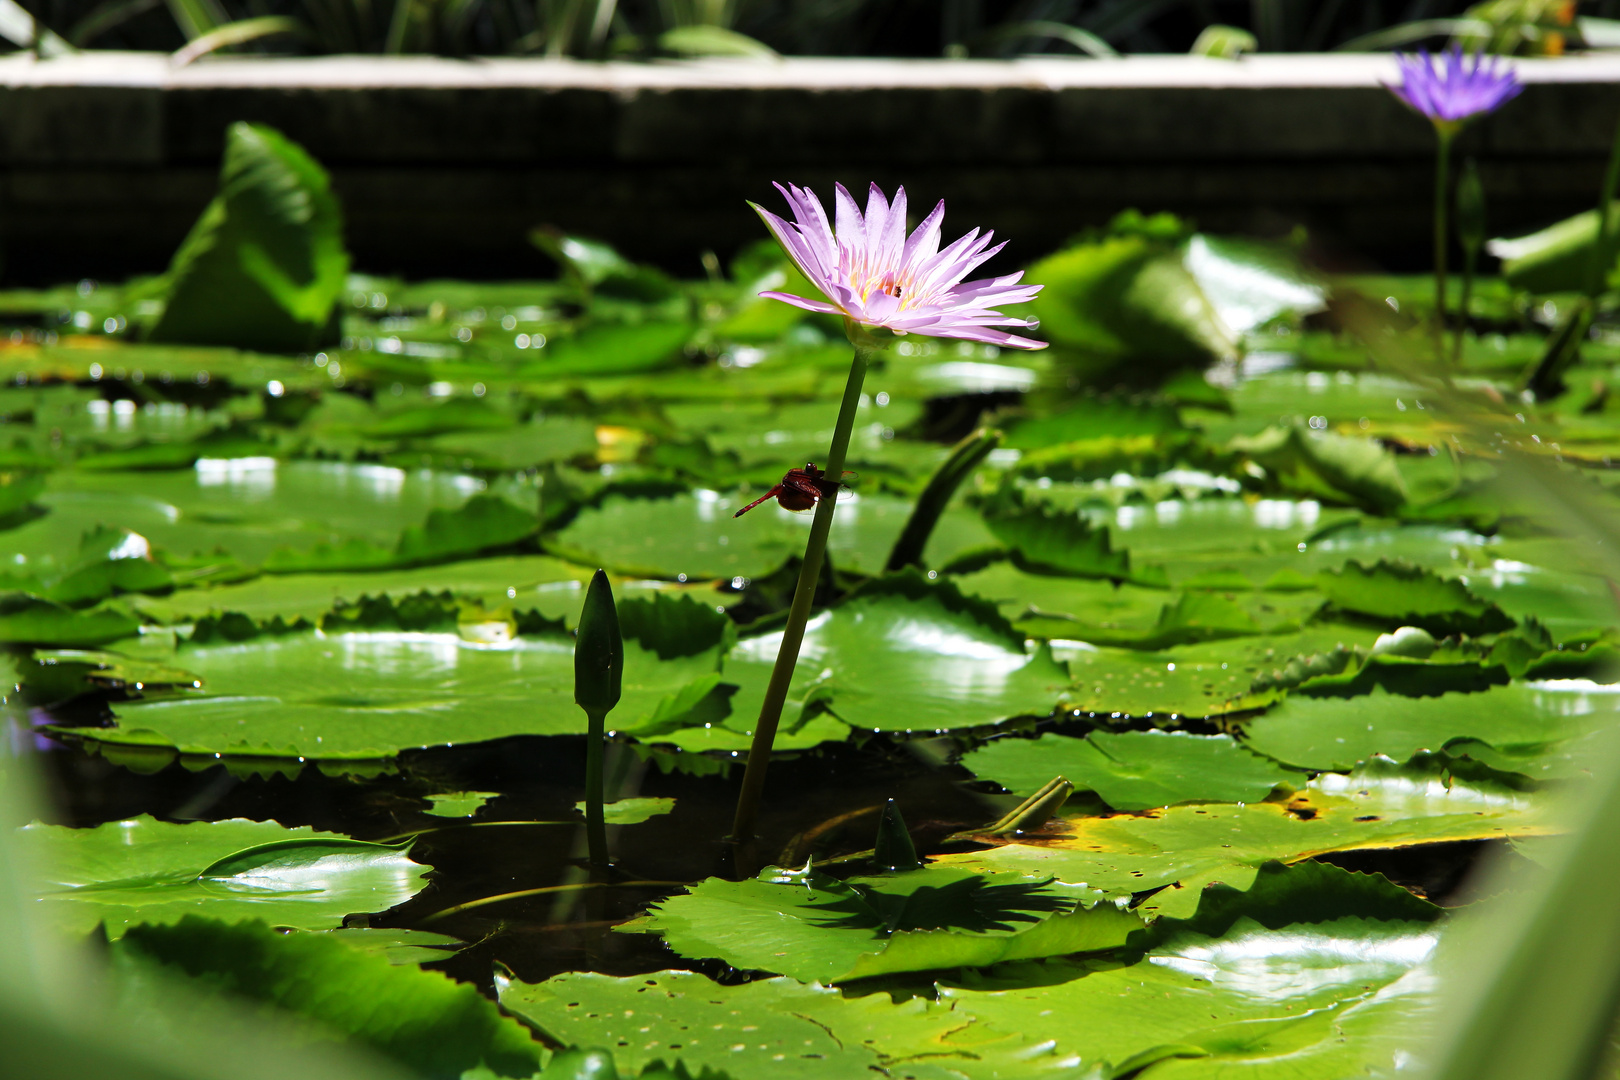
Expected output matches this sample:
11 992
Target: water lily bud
598 650
1470 209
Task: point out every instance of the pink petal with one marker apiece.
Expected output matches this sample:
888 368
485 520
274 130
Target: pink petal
924 242
792 242
799 301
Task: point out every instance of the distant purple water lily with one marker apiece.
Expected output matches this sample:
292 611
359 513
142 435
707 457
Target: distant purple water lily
873 274
1450 90
1453 88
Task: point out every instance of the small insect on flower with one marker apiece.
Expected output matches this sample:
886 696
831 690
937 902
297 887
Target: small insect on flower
800 489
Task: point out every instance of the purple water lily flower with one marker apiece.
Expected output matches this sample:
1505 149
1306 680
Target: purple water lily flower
1452 88
873 274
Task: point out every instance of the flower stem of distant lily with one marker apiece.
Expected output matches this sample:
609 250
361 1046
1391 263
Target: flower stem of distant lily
1444 133
1603 254
815 551
1471 237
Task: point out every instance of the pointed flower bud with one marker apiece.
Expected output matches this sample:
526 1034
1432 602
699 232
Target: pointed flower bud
598 650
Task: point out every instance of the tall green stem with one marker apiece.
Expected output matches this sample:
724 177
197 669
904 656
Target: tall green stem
595 820
1442 187
1603 254
770 713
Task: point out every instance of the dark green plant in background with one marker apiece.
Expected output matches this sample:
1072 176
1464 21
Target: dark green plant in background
764 28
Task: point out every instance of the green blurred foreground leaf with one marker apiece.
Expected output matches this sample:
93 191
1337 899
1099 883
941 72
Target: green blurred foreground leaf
426 1022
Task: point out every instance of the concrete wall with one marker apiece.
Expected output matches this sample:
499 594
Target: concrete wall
106 158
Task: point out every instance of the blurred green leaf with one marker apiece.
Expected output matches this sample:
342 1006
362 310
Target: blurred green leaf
265 264
421 1019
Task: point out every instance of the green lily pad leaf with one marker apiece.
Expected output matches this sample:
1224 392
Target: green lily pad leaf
903 654
1046 541
1133 770
55 675
694 534
542 440
1130 616
1250 283
1380 806
1407 595
484 522
632 811
237 511
816 928
1209 679
421 611
422 1019
1307 892
1095 418
147 871
232 442
110 561
612 350
29 620
18 490
1555 259
1335 733
673 626
1128 299
1407 676
457 414
519 580
1263 1002
779 1026
459 804
1353 471
398 946
264 265
367 696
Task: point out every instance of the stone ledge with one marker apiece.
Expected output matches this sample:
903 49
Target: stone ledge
443 164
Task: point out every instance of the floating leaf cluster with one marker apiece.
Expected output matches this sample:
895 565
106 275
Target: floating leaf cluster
1267 622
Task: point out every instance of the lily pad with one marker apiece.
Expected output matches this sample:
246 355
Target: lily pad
907 655
247 508
1133 770
694 535
1301 1001
1381 806
370 695
459 804
148 871
632 811
776 1026
1335 733
816 928
1407 595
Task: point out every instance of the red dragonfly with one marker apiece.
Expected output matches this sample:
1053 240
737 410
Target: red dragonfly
800 489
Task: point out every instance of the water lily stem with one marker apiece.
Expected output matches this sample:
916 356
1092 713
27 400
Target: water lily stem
595 821
770 712
1442 170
